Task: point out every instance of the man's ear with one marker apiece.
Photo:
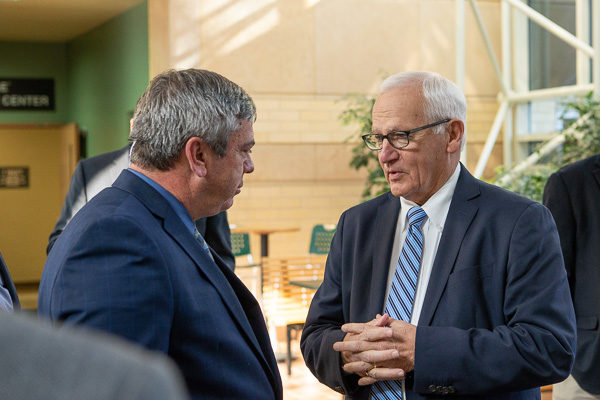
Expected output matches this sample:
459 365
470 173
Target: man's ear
196 153
456 130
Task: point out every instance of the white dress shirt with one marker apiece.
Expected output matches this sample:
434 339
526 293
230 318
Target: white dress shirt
5 300
436 209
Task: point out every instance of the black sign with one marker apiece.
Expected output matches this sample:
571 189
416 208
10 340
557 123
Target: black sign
14 177
26 94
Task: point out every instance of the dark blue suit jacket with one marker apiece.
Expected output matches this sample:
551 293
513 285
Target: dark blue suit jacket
497 321
126 264
8 284
573 195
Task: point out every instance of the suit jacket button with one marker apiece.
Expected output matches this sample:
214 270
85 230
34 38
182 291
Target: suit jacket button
339 389
432 388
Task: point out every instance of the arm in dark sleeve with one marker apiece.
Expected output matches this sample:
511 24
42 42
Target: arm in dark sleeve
323 325
556 198
534 346
218 237
75 199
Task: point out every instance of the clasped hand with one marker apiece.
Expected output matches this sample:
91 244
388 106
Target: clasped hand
382 349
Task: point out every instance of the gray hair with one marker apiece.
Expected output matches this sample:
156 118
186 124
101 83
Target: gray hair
179 105
442 98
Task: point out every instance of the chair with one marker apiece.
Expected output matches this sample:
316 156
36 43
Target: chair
320 241
244 267
289 284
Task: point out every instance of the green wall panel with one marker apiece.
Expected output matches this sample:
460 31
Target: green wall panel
108 70
36 60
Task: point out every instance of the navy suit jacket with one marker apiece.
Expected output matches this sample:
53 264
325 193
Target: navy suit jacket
497 320
127 264
573 196
96 173
8 284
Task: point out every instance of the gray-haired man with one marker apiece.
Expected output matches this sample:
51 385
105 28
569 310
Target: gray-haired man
471 275
132 263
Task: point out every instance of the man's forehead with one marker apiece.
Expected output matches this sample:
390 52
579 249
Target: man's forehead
399 97
244 135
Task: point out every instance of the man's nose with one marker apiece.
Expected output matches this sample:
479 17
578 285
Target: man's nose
387 152
248 166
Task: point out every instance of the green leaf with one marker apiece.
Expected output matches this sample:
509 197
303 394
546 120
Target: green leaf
584 143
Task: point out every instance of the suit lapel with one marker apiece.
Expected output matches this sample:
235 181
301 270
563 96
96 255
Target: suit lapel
232 291
255 319
218 275
460 215
387 220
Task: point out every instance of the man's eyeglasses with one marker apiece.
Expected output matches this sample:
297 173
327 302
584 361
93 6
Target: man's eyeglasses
398 139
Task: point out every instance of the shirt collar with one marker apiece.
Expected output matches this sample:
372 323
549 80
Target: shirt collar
437 206
172 200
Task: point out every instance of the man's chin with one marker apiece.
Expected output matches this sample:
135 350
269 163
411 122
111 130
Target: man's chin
398 190
227 205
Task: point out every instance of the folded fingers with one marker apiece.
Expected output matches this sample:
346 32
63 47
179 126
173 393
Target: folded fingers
381 374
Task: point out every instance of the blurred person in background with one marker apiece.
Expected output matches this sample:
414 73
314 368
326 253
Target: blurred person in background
573 196
9 299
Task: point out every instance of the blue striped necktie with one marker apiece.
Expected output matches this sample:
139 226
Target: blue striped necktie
400 300
203 243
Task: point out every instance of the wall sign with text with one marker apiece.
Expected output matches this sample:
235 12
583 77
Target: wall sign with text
26 94
14 177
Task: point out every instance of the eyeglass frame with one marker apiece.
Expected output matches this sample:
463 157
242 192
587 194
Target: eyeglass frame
407 133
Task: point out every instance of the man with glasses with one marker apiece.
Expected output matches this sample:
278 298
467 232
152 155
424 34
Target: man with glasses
445 285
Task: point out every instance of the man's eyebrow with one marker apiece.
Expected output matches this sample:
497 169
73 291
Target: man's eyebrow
395 130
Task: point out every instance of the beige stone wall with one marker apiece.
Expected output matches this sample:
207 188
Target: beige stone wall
297 58
301 175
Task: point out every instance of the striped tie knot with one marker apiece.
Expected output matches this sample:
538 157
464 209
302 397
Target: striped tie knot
203 243
416 216
200 239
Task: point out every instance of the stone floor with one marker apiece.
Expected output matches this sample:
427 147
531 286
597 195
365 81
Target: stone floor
302 385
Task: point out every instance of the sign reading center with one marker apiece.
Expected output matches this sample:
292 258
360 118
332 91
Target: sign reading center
26 94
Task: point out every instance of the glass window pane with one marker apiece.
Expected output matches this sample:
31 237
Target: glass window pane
551 61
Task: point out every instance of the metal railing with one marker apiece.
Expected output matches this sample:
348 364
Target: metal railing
507 97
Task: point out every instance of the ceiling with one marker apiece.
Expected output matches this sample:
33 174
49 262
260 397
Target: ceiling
55 20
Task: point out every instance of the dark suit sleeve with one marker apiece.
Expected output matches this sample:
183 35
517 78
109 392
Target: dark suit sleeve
75 199
556 198
119 286
218 237
8 284
534 346
323 325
